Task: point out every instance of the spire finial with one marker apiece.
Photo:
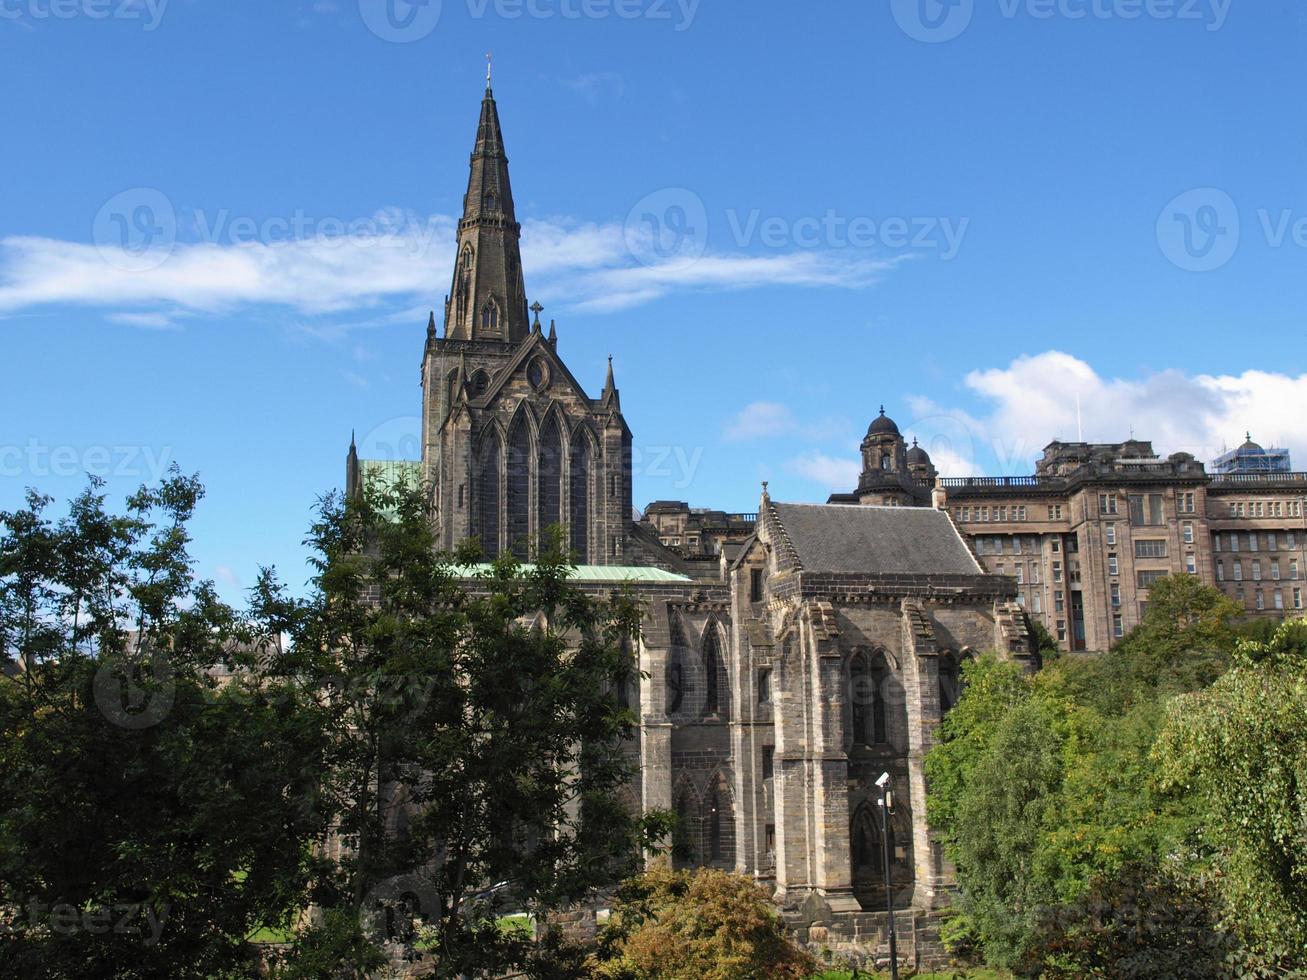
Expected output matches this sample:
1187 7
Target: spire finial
882 410
537 309
490 65
352 445
609 385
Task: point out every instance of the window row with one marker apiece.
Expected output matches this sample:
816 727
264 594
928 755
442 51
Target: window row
1236 570
1266 508
1254 540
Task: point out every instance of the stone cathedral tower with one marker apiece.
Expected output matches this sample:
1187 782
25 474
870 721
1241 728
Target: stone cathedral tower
512 444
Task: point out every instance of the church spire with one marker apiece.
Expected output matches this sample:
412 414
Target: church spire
489 296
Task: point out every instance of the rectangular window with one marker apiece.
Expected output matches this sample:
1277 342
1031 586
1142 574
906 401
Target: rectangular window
1257 571
1054 512
1116 593
1291 540
755 585
1016 546
1111 535
1191 564
1187 502
1113 567
764 686
1188 532
1279 598
1057 545
1021 574
1275 569
1150 548
1146 509
1061 631
1252 540
1234 541
1220 571
1238 571
1057 571
1038 598
1118 626
1259 599
1145 579
1107 503
768 761
1034 572
1272 541
1021 599
1293 569
998 546
1297 598
1059 602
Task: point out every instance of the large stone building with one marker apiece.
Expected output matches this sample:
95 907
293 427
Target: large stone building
793 655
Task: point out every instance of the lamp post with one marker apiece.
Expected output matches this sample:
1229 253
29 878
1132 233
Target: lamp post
886 804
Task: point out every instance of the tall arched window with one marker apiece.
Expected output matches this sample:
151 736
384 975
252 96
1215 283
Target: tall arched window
488 495
885 461
868 676
714 827
549 476
490 317
519 487
868 852
711 666
579 518
950 682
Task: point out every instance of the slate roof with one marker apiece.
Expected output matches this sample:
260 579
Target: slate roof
875 540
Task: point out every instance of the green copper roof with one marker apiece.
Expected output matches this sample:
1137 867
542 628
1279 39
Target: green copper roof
391 471
604 573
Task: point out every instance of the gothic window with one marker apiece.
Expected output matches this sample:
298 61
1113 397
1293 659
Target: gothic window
868 852
868 677
714 827
580 497
519 487
490 317
537 374
683 836
950 681
467 258
491 201
549 479
711 666
488 496
480 382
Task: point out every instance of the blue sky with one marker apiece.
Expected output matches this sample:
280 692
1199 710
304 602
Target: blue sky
978 214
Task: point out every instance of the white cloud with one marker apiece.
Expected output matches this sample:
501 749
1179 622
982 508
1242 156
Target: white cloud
1053 395
382 265
227 576
146 321
772 420
833 472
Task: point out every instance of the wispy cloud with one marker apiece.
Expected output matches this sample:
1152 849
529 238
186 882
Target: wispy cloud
833 472
772 420
402 263
593 86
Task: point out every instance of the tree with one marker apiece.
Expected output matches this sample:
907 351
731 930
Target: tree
1241 749
480 750
155 815
697 925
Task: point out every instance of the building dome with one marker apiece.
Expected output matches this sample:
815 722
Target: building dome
883 425
1250 446
917 456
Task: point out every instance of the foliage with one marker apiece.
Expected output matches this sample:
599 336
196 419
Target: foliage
1045 787
1241 749
1140 923
155 816
479 752
700 925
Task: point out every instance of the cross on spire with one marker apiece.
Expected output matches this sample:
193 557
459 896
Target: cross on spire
490 64
537 309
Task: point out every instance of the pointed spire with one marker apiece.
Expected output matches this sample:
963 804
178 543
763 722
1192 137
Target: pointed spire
431 324
553 334
611 397
353 471
489 296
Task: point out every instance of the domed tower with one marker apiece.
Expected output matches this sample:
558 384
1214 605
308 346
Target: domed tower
892 474
920 466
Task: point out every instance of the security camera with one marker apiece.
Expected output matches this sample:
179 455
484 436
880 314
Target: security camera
884 779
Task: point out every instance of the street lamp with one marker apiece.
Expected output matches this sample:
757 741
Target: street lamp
886 802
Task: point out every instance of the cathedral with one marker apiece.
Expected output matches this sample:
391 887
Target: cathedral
786 669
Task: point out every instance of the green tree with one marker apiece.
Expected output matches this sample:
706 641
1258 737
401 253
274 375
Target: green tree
480 740
697 925
1241 749
155 815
